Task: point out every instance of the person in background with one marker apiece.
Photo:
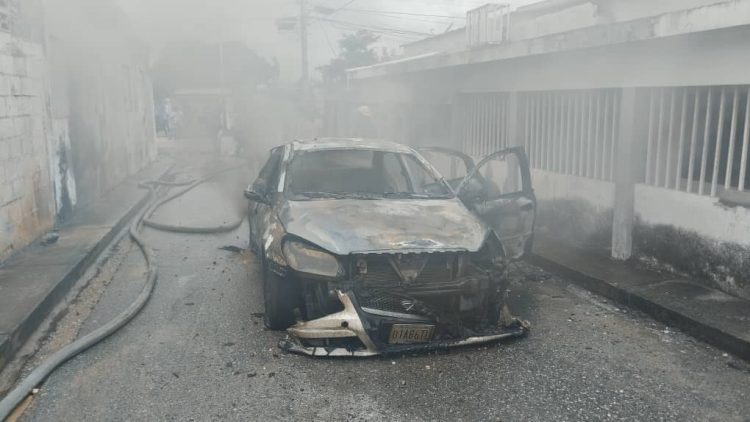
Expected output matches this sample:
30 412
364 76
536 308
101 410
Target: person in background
364 126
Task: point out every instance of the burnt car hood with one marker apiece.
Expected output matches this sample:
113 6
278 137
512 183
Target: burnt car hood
346 226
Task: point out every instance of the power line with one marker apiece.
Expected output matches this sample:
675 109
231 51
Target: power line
375 27
388 13
344 6
384 32
328 39
437 21
366 25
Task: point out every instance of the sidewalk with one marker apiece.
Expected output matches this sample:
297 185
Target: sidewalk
708 314
33 282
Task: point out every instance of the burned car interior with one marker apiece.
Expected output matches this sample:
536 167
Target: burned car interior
367 248
360 172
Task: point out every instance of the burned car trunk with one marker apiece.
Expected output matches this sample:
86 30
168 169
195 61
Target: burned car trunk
372 251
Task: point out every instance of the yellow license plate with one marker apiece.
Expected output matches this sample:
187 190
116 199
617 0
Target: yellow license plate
410 333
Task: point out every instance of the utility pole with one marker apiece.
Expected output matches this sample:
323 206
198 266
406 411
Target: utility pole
222 67
223 86
303 37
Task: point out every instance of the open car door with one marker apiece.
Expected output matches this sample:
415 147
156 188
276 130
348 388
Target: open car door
498 189
453 165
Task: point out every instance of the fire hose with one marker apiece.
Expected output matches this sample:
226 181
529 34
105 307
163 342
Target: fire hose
41 372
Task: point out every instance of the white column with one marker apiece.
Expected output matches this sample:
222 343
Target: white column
627 146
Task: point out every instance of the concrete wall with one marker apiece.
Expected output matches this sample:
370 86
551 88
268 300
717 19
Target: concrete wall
574 209
702 215
627 10
574 17
102 88
534 21
673 61
454 40
26 192
696 235
76 113
677 61
556 17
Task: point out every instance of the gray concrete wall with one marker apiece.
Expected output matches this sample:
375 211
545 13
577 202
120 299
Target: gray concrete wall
695 234
102 88
555 17
533 21
76 113
454 40
26 192
677 61
674 61
574 209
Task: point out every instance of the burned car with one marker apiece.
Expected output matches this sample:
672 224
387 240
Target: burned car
366 248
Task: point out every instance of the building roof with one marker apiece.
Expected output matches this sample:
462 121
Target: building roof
715 16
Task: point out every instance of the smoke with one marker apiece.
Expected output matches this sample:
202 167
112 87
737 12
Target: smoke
160 22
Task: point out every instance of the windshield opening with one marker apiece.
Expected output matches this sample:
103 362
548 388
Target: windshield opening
364 174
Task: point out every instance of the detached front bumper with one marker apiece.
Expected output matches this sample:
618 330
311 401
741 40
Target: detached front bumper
355 332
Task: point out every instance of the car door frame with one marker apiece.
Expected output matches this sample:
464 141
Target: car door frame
260 211
467 159
527 192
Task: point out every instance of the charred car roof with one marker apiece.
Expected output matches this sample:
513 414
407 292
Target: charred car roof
349 143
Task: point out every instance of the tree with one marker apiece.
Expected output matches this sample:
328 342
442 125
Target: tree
356 51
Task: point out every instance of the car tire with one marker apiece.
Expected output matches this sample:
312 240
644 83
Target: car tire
279 299
250 241
251 244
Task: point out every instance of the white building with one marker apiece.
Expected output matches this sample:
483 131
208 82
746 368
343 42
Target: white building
635 115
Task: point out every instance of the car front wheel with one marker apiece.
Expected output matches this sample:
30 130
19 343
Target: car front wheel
279 298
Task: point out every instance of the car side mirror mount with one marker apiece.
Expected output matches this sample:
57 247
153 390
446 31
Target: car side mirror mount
257 193
472 191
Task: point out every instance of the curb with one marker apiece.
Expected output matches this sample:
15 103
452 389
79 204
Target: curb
696 328
16 339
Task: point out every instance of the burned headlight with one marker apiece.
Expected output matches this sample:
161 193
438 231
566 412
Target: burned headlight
311 260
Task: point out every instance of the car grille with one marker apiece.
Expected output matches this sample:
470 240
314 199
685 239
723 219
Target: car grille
381 273
382 302
379 302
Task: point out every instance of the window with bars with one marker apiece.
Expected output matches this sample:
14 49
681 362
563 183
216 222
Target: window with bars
571 132
698 139
481 121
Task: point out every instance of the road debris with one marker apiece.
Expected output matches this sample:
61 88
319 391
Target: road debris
50 238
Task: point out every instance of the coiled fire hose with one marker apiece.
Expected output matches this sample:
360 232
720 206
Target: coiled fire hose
41 372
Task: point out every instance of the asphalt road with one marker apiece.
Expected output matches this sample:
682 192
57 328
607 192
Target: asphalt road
199 351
